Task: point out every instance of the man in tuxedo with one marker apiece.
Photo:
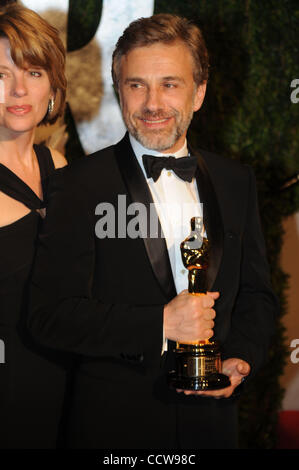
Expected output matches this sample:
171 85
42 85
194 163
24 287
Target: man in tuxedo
119 301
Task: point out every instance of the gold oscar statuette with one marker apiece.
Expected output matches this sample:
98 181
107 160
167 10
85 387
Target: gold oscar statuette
198 363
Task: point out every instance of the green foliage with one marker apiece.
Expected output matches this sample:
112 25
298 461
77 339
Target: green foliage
248 115
83 21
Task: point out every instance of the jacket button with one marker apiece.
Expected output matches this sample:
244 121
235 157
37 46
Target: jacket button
140 358
230 235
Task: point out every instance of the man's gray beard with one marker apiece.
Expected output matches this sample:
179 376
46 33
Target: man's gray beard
164 142
152 143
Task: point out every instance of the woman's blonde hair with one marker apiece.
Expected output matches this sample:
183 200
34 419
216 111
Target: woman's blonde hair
33 41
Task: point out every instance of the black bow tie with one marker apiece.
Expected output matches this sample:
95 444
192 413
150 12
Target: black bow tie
183 167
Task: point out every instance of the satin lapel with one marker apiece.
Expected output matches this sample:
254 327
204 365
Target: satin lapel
138 191
212 218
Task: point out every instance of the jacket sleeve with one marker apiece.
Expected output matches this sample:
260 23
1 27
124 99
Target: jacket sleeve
256 306
62 313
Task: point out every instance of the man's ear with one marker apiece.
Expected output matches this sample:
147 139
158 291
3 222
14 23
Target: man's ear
199 96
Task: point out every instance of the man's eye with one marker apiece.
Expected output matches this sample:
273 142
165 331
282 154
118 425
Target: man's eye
169 85
135 85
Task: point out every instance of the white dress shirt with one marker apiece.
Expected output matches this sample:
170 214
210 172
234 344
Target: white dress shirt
176 202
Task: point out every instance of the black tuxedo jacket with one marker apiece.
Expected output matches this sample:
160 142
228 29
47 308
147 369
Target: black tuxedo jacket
103 298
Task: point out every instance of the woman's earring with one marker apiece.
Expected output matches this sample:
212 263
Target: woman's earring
51 105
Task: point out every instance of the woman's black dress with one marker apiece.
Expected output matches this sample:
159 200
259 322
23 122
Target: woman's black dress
32 379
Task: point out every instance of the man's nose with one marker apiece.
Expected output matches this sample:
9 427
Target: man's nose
153 99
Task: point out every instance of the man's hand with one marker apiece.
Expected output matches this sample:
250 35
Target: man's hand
190 317
236 369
